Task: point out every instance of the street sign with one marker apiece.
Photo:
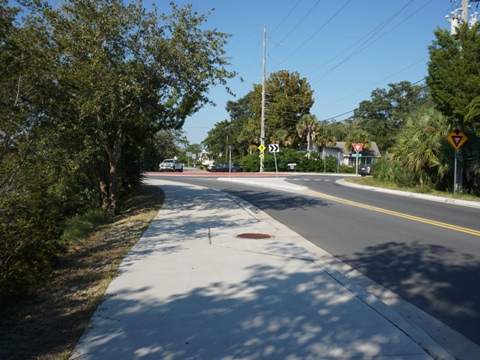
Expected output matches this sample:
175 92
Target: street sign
273 148
457 138
261 147
356 155
357 147
261 156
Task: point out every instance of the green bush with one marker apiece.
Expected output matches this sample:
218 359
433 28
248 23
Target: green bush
28 228
345 169
250 163
393 172
80 226
312 163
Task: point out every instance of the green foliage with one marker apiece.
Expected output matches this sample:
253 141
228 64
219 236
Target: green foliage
308 129
84 87
80 226
454 80
165 144
344 169
422 148
218 140
311 163
251 162
288 98
382 116
394 172
453 76
28 229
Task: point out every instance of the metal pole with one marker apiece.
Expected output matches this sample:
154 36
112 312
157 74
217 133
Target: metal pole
455 174
276 167
262 131
356 165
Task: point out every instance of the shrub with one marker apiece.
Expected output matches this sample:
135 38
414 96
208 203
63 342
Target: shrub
80 226
394 172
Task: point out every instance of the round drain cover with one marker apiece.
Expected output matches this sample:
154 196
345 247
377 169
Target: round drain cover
254 236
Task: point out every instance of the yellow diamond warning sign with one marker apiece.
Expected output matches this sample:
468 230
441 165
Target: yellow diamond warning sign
261 147
457 138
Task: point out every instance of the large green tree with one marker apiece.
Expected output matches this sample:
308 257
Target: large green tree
218 140
127 72
288 97
383 114
454 82
454 75
241 134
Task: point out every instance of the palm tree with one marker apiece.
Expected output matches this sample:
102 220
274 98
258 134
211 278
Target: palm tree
308 128
420 145
325 138
281 137
357 135
250 136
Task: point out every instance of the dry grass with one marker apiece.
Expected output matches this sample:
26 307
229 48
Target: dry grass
49 325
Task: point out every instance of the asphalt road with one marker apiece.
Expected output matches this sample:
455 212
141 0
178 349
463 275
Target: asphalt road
420 250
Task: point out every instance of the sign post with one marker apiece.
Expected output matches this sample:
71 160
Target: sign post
274 148
230 148
357 147
456 138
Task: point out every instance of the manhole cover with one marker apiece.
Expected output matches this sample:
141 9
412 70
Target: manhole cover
254 236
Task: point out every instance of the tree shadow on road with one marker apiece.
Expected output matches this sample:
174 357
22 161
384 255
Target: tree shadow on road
437 279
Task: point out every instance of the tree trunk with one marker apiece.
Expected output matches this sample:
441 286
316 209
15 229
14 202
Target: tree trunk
113 155
106 173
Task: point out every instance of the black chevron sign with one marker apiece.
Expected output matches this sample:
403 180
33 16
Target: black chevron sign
273 148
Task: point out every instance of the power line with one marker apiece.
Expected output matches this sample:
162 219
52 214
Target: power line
296 26
380 81
314 34
351 111
285 18
364 45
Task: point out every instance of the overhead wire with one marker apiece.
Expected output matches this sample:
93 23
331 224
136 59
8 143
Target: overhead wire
361 49
351 111
296 26
285 18
365 44
315 33
378 82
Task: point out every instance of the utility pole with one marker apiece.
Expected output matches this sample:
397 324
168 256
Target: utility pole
465 11
262 131
460 16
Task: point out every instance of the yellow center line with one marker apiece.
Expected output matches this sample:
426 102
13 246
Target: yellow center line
398 214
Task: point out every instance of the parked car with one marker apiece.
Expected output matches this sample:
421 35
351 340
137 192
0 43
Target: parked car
224 167
171 165
366 169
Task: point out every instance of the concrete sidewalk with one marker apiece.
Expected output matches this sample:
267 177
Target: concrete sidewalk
197 287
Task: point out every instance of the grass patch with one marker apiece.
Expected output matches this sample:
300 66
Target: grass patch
49 325
371 181
80 226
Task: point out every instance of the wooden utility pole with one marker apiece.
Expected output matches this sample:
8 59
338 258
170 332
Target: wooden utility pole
262 130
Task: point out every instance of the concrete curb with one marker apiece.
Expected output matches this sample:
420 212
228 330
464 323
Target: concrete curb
441 199
337 269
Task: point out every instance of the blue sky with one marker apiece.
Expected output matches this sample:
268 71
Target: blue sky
344 48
